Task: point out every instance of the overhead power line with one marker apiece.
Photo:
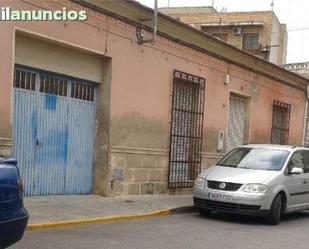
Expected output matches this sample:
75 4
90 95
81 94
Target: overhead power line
298 29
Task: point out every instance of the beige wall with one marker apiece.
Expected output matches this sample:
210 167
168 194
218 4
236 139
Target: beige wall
6 72
133 118
187 10
233 17
237 40
283 44
270 34
5 146
278 37
62 59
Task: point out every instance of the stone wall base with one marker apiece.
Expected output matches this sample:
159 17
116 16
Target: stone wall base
6 146
138 171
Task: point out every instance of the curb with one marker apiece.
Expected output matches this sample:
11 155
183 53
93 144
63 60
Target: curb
183 210
59 224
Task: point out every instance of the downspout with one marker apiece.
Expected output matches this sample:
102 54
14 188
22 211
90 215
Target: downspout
140 31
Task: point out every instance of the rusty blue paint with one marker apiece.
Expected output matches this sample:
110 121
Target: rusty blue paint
81 124
33 125
50 102
53 141
51 156
24 133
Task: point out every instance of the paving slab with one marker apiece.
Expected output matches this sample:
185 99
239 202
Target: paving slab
44 209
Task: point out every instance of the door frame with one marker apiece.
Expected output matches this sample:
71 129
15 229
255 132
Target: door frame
37 91
248 115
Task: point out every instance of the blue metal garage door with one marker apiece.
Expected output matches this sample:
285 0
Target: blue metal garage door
54 127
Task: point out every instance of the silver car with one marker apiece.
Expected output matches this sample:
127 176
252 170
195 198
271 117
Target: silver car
261 180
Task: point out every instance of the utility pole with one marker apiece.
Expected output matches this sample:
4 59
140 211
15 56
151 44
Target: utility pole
272 4
168 3
213 3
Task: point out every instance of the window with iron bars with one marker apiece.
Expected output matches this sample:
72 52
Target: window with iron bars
53 84
186 129
280 123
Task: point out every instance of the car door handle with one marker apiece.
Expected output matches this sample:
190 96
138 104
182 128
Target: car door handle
305 182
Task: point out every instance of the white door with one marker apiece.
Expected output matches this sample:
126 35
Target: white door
237 126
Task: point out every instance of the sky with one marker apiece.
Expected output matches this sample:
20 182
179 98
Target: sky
294 13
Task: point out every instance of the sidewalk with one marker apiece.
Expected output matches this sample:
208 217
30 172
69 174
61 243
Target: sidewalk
46 209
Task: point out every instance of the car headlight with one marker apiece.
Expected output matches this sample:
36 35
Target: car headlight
255 188
199 182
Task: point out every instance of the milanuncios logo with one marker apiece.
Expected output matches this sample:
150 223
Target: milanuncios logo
7 14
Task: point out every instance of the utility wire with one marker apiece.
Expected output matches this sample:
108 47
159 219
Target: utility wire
298 29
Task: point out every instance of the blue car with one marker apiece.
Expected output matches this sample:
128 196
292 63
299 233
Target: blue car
13 215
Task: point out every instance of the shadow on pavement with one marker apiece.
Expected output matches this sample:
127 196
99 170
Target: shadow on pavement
249 220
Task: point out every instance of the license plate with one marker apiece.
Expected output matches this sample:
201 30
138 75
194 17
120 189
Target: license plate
219 197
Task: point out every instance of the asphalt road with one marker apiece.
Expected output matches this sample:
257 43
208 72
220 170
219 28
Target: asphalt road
176 232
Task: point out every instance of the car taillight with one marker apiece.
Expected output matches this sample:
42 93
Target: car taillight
20 185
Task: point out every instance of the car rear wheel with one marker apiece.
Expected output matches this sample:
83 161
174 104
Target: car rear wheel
275 211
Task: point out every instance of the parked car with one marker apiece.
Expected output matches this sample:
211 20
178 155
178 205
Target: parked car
260 180
13 215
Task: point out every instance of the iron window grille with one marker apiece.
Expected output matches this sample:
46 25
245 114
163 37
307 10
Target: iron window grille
280 123
53 84
186 131
24 79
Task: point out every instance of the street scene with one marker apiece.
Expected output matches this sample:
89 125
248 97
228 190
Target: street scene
177 231
154 124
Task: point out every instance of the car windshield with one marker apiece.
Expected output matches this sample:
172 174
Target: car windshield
255 158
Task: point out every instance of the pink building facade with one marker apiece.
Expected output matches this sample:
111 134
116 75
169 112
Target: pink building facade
96 66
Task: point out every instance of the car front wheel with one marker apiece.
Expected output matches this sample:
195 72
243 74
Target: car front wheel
275 211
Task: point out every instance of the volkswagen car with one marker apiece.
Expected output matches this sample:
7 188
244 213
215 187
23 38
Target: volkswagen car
13 215
259 180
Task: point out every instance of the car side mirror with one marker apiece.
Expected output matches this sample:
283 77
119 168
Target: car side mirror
296 171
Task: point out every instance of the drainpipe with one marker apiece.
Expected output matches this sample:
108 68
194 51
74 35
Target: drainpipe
140 31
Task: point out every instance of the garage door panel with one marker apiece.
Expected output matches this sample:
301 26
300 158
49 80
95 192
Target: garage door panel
24 133
81 123
54 126
52 142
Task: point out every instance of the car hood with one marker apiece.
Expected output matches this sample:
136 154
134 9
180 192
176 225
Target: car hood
237 175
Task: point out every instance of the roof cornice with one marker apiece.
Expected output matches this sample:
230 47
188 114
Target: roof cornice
136 14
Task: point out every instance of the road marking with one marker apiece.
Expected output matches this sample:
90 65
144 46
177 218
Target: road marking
67 223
